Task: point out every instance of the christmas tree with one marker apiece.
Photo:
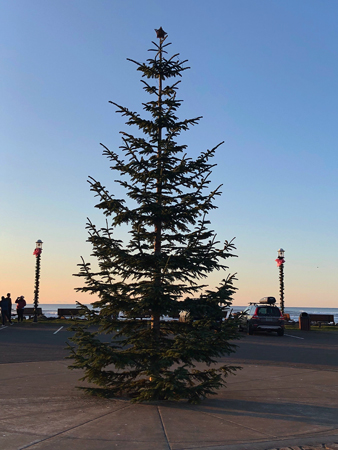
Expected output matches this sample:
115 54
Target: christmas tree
137 348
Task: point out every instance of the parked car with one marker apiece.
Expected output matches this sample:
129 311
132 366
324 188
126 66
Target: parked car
262 316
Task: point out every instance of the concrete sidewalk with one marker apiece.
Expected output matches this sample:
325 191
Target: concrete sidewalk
264 407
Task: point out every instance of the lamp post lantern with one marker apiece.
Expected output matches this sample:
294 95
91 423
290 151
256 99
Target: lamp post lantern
37 253
280 263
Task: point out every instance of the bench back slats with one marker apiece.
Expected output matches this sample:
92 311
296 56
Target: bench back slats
30 311
69 312
321 317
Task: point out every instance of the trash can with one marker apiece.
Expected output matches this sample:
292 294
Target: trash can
304 321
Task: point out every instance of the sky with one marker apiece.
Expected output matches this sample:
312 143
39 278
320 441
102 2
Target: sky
263 76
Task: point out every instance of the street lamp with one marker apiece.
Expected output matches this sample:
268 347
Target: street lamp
280 263
37 253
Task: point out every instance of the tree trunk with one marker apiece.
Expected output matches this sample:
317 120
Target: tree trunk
155 318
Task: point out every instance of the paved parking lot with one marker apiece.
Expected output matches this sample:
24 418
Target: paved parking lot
295 349
47 342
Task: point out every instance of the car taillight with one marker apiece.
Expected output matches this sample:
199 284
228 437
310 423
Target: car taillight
255 316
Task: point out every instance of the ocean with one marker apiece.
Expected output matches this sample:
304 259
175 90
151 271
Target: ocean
50 310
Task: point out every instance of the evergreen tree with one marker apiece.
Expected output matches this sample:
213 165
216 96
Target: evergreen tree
159 272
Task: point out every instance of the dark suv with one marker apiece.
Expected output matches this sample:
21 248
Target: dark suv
262 316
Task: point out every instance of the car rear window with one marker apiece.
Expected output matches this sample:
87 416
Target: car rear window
268 311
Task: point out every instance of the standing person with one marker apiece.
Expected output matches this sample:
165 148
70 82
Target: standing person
2 316
9 306
6 309
20 305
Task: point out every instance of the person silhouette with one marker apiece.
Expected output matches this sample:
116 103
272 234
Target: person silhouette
20 305
6 309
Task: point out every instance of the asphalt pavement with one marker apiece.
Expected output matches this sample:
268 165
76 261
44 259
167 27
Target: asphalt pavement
307 349
30 342
285 395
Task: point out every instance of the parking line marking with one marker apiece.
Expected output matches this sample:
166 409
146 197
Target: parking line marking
296 337
3 327
58 330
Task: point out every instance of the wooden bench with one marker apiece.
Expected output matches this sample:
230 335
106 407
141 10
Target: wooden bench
28 312
175 316
63 312
321 318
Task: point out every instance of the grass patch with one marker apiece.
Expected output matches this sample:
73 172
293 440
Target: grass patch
295 326
50 321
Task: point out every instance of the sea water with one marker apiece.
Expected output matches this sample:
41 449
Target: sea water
51 310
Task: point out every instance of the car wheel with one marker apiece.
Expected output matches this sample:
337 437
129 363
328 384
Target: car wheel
280 332
250 330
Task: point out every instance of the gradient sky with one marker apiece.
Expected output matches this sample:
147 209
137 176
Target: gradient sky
263 76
